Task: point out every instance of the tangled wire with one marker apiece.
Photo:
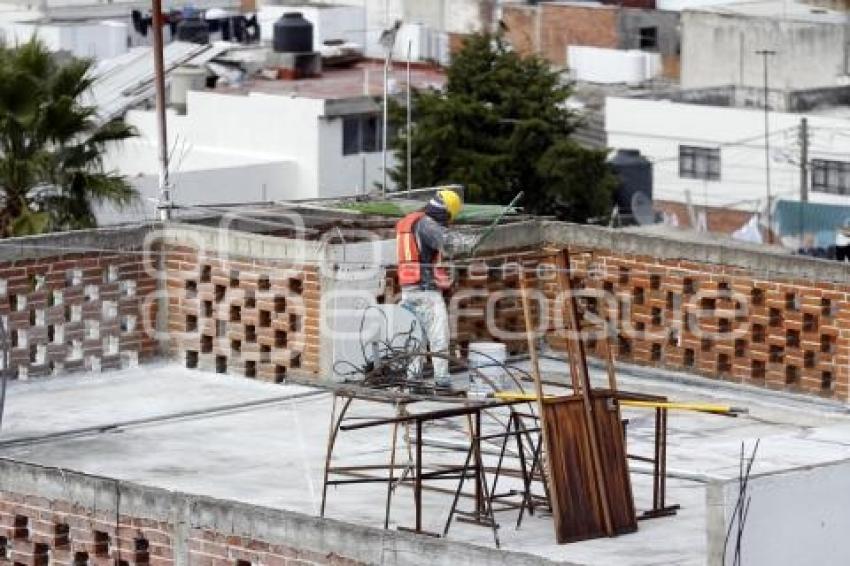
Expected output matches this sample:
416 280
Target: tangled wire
389 362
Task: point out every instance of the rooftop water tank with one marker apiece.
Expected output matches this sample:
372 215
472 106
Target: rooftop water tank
634 190
293 34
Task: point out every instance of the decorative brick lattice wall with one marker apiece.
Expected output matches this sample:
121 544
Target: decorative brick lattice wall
76 312
250 318
723 322
38 532
490 290
712 320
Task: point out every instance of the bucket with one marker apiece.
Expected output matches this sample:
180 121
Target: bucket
488 358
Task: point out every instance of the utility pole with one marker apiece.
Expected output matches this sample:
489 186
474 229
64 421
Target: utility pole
804 160
765 53
804 175
387 41
159 82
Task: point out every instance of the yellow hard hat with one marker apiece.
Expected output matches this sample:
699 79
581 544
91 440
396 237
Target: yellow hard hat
452 202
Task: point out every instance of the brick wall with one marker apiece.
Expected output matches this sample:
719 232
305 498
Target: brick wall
671 66
549 28
522 27
35 531
563 25
717 321
76 311
722 322
248 317
560 25
490 289
719 220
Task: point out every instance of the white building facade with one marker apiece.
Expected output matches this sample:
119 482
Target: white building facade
808 47
714 156
258 147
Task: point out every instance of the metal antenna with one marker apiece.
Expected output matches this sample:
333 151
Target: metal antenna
159 82
387 41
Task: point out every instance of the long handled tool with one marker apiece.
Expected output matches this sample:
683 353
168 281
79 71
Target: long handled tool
492 227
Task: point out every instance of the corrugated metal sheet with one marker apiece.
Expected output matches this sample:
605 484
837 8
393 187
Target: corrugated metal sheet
127 80
823 220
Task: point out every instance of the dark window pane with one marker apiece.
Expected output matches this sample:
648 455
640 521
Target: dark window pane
699 162
350 135
831 176
371 134
649 38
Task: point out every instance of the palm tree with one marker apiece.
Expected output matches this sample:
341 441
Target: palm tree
51 145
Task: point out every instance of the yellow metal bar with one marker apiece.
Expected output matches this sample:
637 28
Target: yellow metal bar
702 407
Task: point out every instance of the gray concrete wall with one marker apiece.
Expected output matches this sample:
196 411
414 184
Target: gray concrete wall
802 100
453 16
58 243
763 261
630 20
719 49
276 526
795 517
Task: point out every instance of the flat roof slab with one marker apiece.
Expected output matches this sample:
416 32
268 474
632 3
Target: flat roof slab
237 439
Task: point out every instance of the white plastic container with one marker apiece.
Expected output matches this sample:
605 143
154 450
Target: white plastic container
488 358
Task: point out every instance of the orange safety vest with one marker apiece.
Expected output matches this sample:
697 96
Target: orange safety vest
409 258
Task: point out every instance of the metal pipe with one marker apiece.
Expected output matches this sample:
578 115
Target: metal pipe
407 129
159 83
4 369
765 53
117 425
385 123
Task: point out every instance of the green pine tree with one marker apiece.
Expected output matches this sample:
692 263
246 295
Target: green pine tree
501 126
51 146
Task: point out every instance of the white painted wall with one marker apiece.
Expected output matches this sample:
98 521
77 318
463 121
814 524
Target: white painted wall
347 174
795 517
233 148
721 49
679 5
199 175
346 294
609 66
658 127
99 40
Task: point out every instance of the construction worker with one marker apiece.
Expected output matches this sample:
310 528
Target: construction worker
423 238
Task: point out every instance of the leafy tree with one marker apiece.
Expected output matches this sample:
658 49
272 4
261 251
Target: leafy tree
51 145
500 126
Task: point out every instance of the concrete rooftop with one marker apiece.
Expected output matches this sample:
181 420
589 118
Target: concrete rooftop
237 439
363 79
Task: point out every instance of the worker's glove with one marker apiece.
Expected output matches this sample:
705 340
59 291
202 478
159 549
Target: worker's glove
460 244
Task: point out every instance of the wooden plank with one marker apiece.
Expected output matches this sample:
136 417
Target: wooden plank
579 366
538 388
572 470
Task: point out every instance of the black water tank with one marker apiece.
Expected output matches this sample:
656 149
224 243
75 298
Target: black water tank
293 34
634 190
193 29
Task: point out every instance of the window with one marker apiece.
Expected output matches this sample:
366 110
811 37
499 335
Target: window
699 162
831 176
350 135
649 38
361 134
